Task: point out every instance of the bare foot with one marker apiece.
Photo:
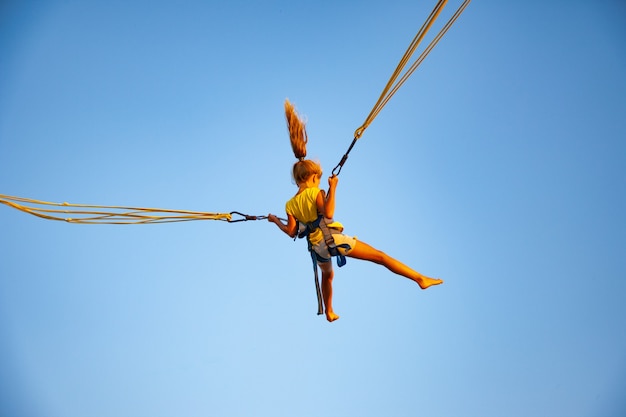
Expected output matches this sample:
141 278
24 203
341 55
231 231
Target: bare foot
331 316
426 282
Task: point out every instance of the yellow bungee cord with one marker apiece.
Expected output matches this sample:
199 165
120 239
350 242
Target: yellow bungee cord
396 81
92 214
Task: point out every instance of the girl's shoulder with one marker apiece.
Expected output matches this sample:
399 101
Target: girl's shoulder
311 191
305 197
314 191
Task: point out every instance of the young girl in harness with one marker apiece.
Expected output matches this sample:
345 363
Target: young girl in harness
310 212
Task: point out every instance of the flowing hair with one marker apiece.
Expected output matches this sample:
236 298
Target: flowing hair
303 168
297 131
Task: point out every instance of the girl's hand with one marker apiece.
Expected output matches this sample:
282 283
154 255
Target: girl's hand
332 181
289 228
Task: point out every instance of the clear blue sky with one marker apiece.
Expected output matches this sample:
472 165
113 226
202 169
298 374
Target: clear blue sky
500 166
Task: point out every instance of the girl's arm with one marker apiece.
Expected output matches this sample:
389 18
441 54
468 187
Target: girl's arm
326 203
289 228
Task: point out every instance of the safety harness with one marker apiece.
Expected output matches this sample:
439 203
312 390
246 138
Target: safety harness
305 229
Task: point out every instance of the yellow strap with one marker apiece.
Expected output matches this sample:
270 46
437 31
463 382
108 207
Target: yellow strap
90 214
394 83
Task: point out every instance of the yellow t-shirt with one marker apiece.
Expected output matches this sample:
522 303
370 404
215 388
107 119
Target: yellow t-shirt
304 208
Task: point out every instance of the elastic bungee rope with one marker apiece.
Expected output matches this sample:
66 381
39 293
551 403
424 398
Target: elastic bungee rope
396 81
96 214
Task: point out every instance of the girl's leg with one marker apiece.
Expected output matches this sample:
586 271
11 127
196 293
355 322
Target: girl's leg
364 251
327 289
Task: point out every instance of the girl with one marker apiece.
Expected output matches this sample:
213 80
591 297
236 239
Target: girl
310 202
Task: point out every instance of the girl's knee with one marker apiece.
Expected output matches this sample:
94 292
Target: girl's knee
380 257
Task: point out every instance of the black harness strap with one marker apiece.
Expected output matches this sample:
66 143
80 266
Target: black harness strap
322 223
320 306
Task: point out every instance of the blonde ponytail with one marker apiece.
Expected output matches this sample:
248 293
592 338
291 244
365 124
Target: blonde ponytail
297 131
303 168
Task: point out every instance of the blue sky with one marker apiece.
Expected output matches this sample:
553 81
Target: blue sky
499 167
